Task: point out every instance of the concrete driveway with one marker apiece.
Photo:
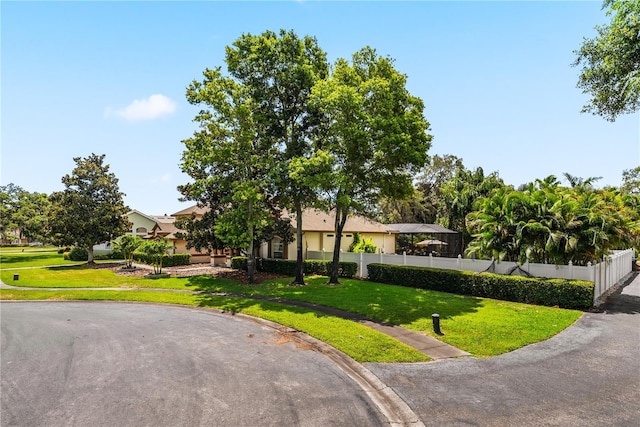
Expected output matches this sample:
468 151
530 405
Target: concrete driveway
588 375
113 364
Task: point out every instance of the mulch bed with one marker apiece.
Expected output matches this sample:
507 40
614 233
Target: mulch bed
186 271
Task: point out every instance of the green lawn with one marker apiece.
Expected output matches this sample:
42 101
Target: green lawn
31 257
481 326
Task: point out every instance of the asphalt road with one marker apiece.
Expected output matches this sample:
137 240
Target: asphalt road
588 375
112 364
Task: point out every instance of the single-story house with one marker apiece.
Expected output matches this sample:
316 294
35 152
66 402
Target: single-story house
318 235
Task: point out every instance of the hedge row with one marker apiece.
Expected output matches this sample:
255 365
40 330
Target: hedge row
287 267
573 294
81 254
167 260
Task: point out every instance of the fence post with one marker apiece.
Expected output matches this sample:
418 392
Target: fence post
404 258
430 260
570 269
361 264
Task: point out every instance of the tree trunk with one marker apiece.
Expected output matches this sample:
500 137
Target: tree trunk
299 278
251 259
341 219
90 255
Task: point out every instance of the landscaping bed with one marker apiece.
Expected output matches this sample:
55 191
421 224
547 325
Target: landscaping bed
190 270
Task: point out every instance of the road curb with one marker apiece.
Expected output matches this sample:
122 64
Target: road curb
396 410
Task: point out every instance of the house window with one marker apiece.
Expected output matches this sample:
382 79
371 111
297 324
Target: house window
329 235
141 230
277 248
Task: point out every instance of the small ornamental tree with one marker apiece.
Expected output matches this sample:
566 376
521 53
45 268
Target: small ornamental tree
128 244
155 250
90 210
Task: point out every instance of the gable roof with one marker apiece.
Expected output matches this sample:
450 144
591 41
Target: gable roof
165 229
134 211
317 220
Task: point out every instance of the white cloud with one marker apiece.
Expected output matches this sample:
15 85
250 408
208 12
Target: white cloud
166 178
144 109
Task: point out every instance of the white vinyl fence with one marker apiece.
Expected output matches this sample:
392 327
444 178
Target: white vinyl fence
604 274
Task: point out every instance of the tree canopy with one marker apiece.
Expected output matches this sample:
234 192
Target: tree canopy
610 62
279 71
549 223
255 122
374 137
23 212
91 208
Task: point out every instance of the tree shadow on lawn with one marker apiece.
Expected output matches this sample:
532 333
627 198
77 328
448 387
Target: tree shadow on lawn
388 304
27 257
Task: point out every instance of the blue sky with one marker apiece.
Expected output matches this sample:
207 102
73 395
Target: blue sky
110 78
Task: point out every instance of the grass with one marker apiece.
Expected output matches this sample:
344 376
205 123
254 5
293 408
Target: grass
84 277
38 256
359 342
481 326
31 258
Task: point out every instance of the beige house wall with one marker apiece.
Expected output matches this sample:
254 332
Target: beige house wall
180 247
318 241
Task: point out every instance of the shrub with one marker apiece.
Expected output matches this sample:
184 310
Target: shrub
77 254
167 260
239 263
573 294
362 246
286 267
176 259
116 254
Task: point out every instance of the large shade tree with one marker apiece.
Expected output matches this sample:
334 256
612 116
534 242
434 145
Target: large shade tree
424 205
229 160
278 72
610 62
23 214
90 210
374 138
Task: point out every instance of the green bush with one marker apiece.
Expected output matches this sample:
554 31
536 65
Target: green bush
286 267
362 246
573 294
116 254
239 263
167 260
77 254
